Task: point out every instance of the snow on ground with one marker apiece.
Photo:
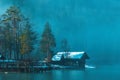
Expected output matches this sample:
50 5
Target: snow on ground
89 66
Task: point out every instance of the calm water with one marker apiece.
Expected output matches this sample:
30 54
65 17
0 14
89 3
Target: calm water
100 73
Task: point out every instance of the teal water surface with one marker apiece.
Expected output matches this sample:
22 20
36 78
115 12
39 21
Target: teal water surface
100 73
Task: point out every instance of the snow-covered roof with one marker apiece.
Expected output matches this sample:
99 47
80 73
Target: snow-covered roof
71 55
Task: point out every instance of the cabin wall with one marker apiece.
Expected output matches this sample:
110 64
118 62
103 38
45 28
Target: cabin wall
78 63
82 63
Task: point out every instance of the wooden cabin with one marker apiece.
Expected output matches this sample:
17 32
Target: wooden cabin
74 59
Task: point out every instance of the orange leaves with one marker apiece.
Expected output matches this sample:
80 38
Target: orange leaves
24 46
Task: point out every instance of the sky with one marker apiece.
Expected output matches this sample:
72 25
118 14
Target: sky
88 25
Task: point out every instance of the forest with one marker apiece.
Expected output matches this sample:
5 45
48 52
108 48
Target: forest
18 39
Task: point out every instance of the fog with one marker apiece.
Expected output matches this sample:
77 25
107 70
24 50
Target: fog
88 25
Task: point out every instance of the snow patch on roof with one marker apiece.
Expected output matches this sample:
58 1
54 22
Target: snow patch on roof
71 55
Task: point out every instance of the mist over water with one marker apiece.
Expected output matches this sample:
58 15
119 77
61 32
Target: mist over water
90 26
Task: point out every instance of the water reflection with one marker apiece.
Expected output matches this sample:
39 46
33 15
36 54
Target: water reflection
68 75
51 75
103 73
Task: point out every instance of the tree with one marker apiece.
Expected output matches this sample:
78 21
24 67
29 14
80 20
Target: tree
14 28
11 21
27 40
15 17
64 45
7 41
47 43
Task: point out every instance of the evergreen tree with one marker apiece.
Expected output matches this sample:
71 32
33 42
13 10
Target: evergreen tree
27 39
47 43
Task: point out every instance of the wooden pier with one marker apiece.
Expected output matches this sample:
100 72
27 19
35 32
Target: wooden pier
24 66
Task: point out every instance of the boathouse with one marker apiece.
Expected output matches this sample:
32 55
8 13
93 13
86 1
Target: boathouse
75 59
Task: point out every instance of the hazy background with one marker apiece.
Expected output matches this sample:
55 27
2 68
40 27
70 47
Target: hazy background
88 25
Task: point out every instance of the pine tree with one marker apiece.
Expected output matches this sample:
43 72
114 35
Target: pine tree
27 39
47 43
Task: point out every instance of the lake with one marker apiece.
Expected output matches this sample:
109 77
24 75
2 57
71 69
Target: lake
100 73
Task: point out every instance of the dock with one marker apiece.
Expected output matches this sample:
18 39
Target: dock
24 66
